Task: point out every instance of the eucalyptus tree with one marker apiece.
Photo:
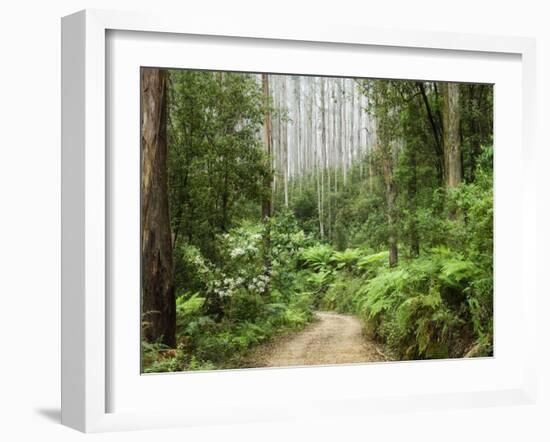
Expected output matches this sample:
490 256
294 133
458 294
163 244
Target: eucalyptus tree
384 106
451 134
158 300
267 139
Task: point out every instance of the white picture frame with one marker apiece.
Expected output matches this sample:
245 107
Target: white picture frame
86 205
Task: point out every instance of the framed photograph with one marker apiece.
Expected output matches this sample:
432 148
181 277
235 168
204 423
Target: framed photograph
280 223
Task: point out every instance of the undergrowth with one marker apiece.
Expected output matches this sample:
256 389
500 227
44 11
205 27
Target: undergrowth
438 305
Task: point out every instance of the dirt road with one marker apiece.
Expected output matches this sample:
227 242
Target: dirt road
333 339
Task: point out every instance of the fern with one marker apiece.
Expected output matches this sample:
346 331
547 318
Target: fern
319 281
384 291
189 306
344 295
415 309
316 257
457 272
425 325
188 309
347 259
374 260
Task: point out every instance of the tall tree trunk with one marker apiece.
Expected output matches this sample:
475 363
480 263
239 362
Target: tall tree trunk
392 235
317 154
266 203
158 299
276 137
412 188
267 207
391 195
323 153
285 103
297 134
332 156
352 128
436 131
339 136
451 134
370 157
345 140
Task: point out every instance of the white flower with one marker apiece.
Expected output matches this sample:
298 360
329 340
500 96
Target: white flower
235 253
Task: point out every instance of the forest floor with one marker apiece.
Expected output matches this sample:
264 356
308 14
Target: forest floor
332 339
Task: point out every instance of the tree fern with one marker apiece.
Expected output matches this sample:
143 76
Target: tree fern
346 260
316 257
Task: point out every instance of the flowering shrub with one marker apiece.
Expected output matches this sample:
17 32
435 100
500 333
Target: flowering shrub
244 292
241 262
253 283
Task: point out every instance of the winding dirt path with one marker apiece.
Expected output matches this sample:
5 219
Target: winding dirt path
333 339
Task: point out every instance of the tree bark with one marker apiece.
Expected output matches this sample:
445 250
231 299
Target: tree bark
435 131
267 206
391 195
451 134
323 154
392 236
413 186
158 299
266 203
345 129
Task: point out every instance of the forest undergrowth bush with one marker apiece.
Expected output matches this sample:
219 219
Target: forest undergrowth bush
240 301
435 306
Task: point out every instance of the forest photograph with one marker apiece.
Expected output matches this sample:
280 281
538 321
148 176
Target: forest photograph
299 220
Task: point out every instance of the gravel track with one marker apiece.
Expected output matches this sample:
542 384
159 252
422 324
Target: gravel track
333 339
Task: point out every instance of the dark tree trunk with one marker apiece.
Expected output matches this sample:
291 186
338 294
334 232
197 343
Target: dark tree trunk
158 300
436 131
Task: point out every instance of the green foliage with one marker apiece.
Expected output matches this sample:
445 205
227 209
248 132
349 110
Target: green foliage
424 327
157 358
317 257
431 307
318 281
253 303
216 162
344 294
456 272
370 264
299 312
474 201
187 309
346 260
